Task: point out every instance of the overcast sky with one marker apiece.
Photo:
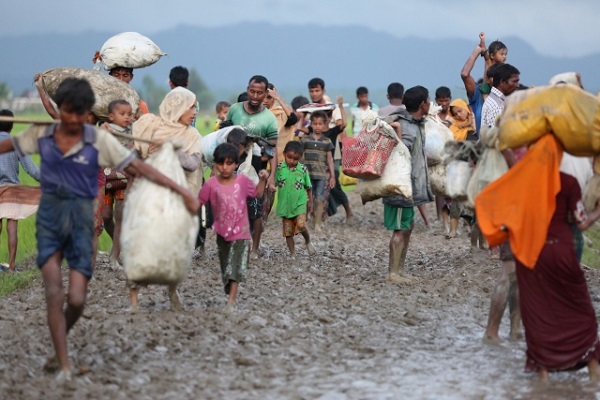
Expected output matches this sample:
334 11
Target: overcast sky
552 27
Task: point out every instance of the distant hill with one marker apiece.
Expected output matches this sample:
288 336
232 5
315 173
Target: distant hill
345 57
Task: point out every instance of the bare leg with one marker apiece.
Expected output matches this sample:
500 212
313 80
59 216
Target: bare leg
319 214
349 214
115 252
175 299
398 250
498 303
514 309
594 369
258 230
133 298
61 322
423 210
233 289
543 373
446 220
291 245
13 241
453 228
107 216
309 246
439 206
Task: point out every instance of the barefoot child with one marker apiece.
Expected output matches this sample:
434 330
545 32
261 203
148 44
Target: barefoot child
226 192
319 161
294 194
120 115
71 153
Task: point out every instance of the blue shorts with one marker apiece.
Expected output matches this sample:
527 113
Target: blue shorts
66 223
318 188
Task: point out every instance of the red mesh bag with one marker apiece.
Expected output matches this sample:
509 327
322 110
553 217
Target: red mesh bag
366 154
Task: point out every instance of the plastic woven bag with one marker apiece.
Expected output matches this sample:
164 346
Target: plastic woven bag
491 165
158 233
570 113
128 50
436 136
395 180
105 87
457 179
437 179
366 154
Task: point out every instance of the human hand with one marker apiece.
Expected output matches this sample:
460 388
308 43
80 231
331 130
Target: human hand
154 147
332 182
106 126
340 101
263 175
191 203
309 207
273 93
271 183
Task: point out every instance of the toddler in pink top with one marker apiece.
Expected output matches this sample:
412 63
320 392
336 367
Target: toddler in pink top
227 193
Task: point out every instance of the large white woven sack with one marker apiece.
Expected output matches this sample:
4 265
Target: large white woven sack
457 179
105 87
129 50
395 179
436 136
158 233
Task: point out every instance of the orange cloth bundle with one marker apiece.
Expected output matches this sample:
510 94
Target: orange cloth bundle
523 200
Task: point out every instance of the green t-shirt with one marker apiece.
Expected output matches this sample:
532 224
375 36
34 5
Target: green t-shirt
291 190
263 123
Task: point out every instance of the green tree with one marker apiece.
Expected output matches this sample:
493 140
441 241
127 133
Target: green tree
5 92
205 97
151 93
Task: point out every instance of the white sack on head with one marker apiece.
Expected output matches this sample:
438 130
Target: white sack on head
395 179
129 50
105 87
158 233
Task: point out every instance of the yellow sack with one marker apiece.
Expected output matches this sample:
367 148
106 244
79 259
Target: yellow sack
346 180
572 114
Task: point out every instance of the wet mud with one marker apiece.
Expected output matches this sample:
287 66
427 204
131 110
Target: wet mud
322 327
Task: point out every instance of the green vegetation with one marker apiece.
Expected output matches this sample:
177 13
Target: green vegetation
591 250
9 282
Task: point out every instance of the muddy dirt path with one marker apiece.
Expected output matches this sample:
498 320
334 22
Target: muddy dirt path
327 327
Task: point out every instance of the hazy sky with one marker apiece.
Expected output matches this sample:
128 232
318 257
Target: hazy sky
552 27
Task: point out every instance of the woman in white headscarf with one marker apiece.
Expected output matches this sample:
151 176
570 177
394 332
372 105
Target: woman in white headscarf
176 114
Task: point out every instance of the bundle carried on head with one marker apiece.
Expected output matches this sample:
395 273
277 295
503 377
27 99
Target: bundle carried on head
128 50
105 87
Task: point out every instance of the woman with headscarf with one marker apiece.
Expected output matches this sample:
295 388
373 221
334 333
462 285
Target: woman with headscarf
176 114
